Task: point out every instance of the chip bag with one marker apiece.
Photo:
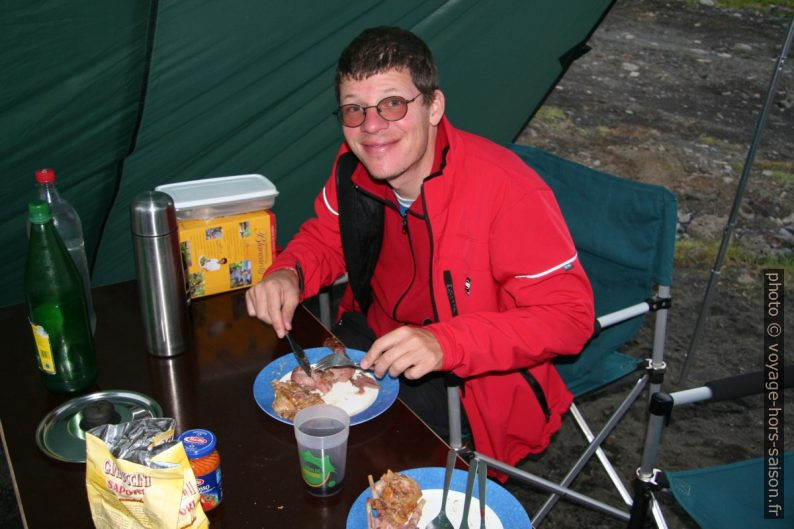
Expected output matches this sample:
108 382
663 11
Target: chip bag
139 477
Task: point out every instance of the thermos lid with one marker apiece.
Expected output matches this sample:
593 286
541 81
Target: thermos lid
152 214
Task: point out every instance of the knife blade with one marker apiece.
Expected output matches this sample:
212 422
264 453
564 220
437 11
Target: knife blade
300 355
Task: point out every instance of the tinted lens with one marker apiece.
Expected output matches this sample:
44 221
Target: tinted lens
351 115
393 108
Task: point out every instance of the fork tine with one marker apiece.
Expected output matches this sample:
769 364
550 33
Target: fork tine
334 360
324 363
321 365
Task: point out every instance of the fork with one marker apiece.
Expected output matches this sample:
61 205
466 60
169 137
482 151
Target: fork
335 360
473 464
441 521
482 477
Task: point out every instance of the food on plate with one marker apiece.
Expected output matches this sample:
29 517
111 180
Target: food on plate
333 343
397 498
289 398
302 390
342 374
362 381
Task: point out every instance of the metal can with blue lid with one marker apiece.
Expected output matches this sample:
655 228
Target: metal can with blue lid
201 449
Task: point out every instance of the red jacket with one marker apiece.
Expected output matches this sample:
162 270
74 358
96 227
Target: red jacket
500 257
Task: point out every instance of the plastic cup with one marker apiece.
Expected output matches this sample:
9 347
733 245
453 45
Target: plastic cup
321 432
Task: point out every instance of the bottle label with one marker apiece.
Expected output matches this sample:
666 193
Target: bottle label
44 349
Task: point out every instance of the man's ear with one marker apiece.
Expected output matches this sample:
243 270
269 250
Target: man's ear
437 107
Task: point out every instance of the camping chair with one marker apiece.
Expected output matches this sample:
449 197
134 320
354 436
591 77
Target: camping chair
325 304
720 497
624 232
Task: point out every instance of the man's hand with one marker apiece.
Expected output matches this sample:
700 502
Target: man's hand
411 351
274 300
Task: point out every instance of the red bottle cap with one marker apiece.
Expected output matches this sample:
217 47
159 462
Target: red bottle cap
45 176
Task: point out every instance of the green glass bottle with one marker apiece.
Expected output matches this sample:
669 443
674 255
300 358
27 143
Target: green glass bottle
57 308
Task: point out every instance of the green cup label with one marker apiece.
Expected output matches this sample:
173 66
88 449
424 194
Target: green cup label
316 471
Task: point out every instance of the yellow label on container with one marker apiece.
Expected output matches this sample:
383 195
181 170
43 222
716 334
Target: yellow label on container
227 253
42 339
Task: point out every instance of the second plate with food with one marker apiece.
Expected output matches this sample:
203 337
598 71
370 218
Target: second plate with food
361 406
502 509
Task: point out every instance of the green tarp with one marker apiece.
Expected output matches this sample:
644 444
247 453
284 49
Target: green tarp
119 97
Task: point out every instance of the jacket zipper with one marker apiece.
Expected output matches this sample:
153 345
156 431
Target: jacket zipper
413 260
537 389
432 252
451 379
427 222
410 244
430 229
453 305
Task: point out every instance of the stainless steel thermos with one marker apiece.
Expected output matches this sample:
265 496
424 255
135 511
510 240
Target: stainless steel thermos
160 273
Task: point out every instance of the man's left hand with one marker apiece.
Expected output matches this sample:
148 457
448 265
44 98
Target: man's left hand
410 351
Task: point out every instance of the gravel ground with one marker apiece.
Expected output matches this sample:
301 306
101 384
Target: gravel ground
671 93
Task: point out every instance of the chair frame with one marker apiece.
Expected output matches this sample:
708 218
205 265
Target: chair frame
652 379
648 478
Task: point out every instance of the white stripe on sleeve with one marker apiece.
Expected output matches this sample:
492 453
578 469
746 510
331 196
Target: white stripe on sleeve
328 204
550 270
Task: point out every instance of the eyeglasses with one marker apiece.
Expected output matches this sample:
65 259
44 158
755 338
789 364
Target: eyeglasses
392 108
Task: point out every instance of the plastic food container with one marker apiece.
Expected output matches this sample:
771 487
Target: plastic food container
220 197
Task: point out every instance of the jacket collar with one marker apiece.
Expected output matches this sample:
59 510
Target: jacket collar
379 188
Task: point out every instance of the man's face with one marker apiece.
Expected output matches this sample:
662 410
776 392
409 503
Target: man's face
400 152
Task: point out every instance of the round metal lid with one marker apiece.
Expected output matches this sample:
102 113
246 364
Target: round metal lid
59 434
152 214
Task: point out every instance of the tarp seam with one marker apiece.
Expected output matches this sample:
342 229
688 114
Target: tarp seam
566 59
136 128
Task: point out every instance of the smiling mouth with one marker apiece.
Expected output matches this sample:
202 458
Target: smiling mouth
379 145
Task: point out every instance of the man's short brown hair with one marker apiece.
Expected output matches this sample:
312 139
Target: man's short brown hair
380 49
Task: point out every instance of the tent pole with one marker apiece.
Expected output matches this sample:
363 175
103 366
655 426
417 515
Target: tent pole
729 226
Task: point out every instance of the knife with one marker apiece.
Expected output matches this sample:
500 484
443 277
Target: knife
300 356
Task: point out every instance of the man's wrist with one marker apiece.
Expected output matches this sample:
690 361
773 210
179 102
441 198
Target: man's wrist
298 274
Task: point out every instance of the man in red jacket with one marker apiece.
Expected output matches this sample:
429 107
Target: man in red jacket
457 255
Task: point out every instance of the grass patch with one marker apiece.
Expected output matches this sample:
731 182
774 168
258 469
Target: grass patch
604 132
783 171
748 4
769 165
699 254
705 139
753 4
551 115
785 177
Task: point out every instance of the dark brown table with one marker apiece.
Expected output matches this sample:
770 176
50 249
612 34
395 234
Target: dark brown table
209 386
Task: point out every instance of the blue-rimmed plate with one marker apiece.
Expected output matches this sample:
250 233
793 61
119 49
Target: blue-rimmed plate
361 407
502 510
